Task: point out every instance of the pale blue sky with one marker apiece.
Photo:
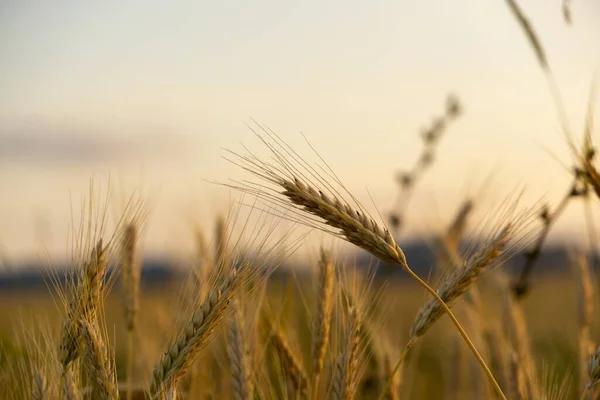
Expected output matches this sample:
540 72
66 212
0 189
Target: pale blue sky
149 92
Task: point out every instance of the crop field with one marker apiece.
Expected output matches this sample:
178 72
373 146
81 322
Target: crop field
484 312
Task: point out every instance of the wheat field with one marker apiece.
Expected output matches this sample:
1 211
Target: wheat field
238 321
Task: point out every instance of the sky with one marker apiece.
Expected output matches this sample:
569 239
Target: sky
145 95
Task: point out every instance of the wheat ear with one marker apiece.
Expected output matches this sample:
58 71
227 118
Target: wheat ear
194 335
345 379
290 361
322 324
130 288
517 334
130 274
353 225
70 387
99 363
393 390
85 302
221 241
237 352
458 283
593 373
39 389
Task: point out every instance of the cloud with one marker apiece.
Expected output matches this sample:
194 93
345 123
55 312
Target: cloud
82 147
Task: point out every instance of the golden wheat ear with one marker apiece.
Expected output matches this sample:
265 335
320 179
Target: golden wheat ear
238 352
293 182
322 323
99 363
290 361
345 378
185 349
84 304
